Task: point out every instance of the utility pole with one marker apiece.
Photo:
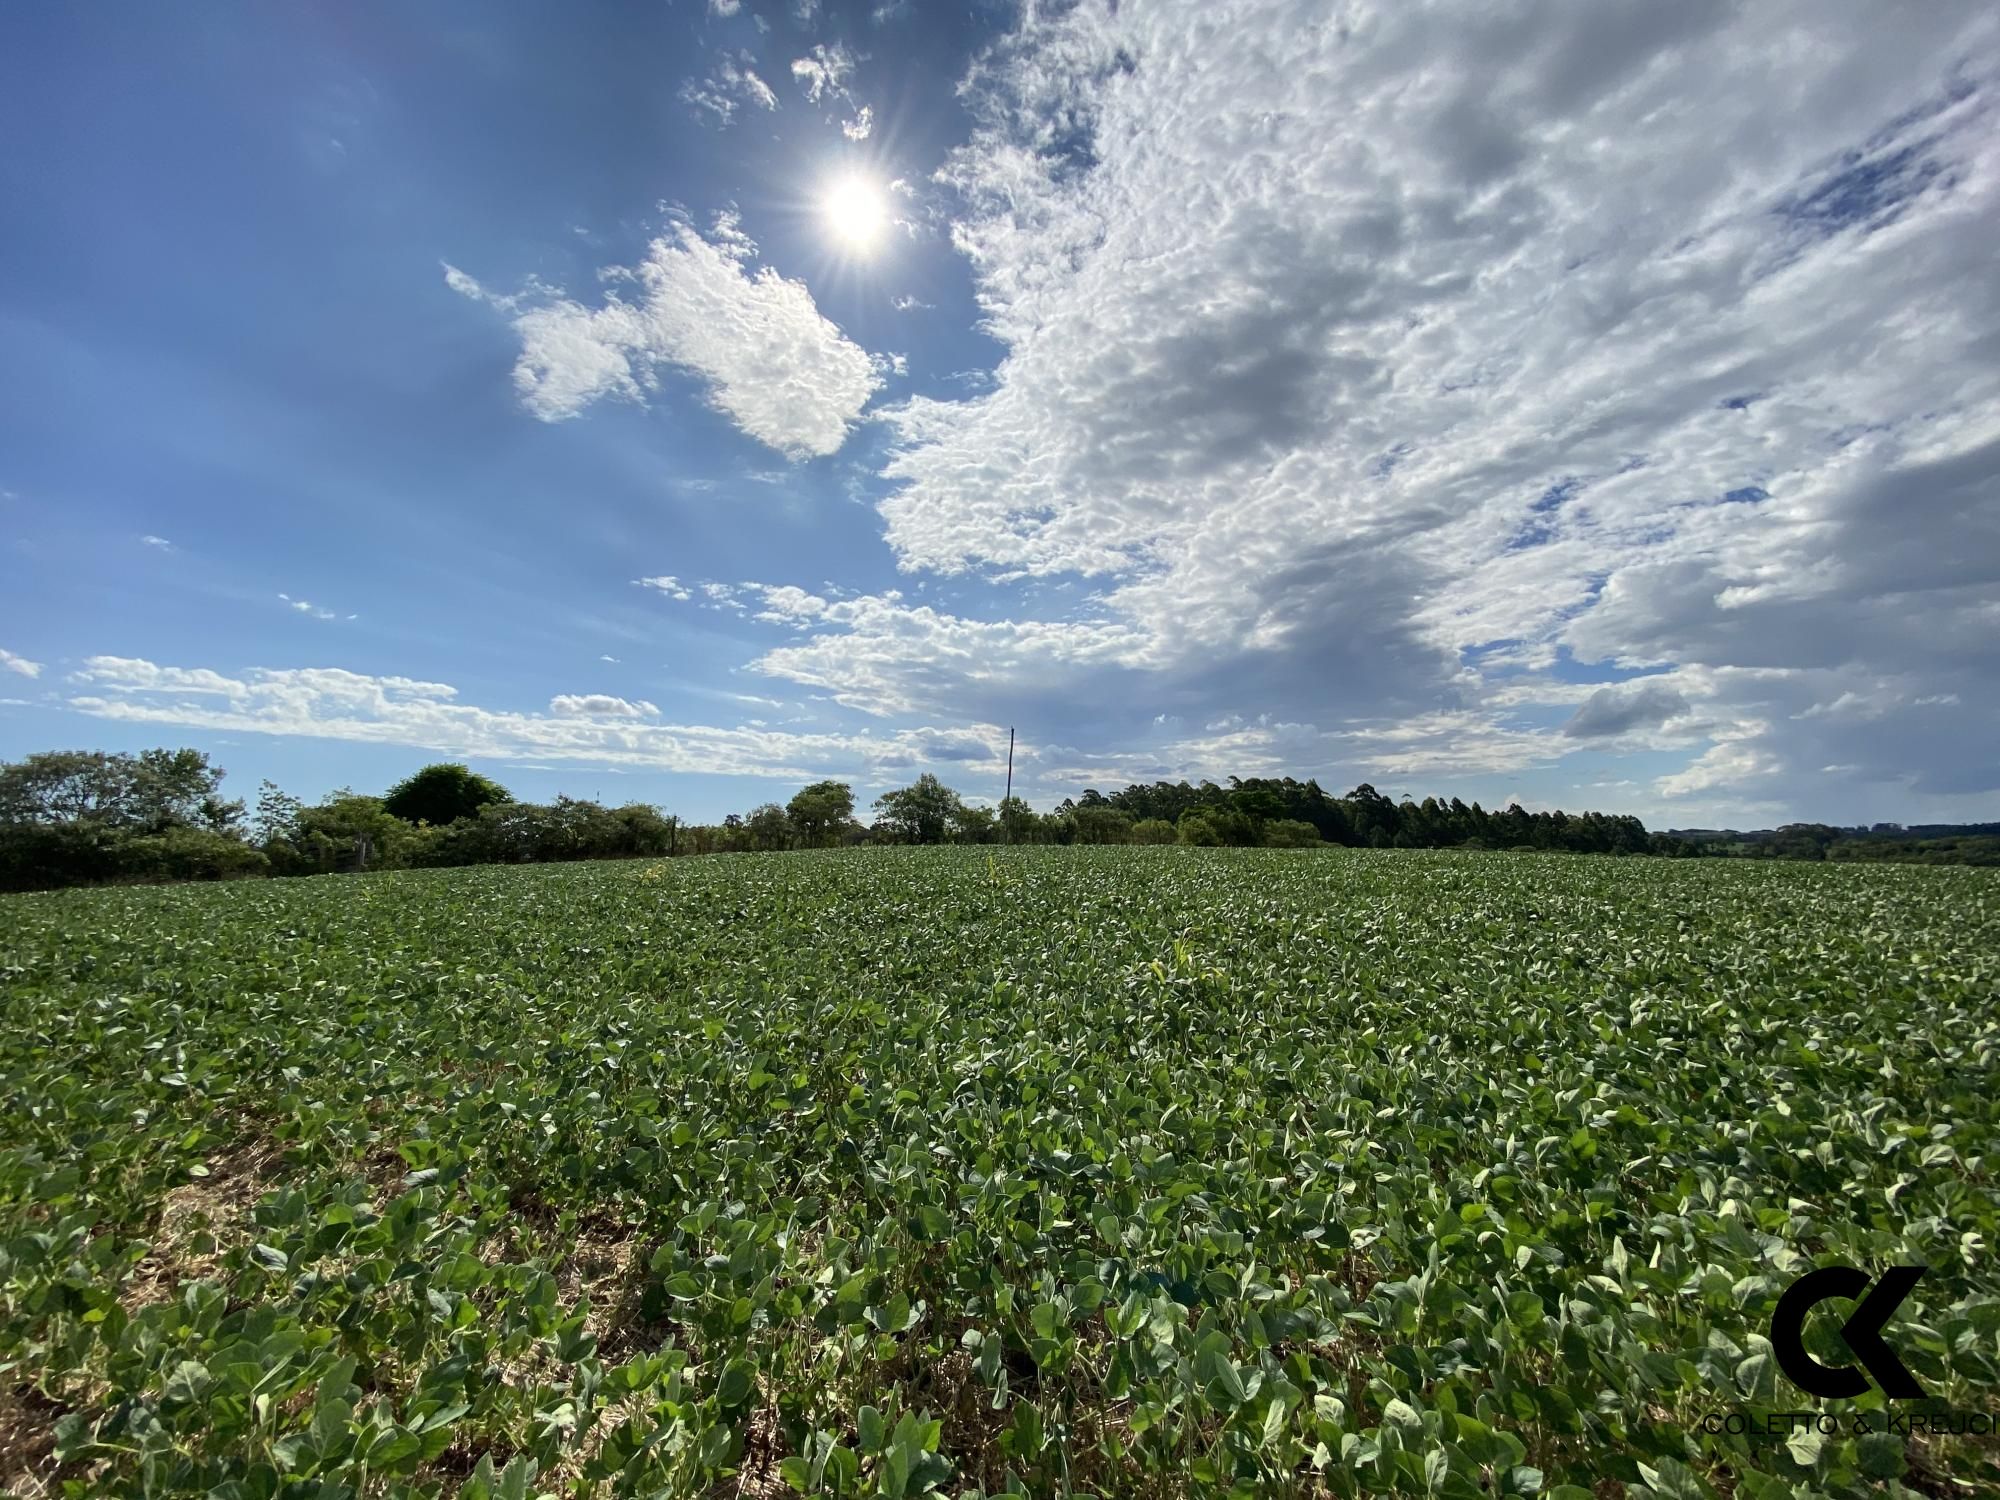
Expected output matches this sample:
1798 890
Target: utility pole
1010 765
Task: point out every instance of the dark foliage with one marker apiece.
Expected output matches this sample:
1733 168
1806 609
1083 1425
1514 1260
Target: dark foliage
442 794
88 817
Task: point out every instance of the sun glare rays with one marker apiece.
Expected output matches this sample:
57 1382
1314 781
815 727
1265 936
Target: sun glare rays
855 210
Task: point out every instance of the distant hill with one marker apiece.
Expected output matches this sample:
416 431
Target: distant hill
1917 843
1872 831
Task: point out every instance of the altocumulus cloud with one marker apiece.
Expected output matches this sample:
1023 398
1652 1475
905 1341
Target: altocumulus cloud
766 357
1431 346
884 655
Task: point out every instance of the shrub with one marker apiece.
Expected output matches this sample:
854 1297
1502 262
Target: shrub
344 832
44 856
1290 833
1200 829
1102 825
190 854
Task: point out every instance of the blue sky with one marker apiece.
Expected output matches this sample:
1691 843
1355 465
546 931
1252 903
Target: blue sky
1593 407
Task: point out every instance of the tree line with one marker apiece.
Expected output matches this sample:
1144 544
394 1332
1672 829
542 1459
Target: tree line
93 817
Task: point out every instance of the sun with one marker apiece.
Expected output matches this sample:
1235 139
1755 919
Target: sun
856 212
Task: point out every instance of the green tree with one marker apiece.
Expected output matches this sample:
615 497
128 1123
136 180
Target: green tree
647 830
345 831
1199 828
921 813
973 825
1017 820
278 814
1101 823
1372 815
71 817
150 792
180 789
768 827
821 811
443 793
1056 827
1802 840
1256 801
66 786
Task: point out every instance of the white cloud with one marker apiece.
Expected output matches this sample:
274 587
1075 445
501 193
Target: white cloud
759 91
612 659
724 7
824 72
307 607
822 75
19 664
886 657
734 82
159 543
769 361
1650 336
785 603
332 704
467 286
600 706
664 583
1728 765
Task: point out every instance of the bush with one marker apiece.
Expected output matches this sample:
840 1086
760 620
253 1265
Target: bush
344 832
51 856
46 856
1291 833
457 843
1153 831
190 854
518 832
1199 829
1214 826
1102 825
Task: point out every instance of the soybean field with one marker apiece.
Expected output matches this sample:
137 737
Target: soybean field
1133 1172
